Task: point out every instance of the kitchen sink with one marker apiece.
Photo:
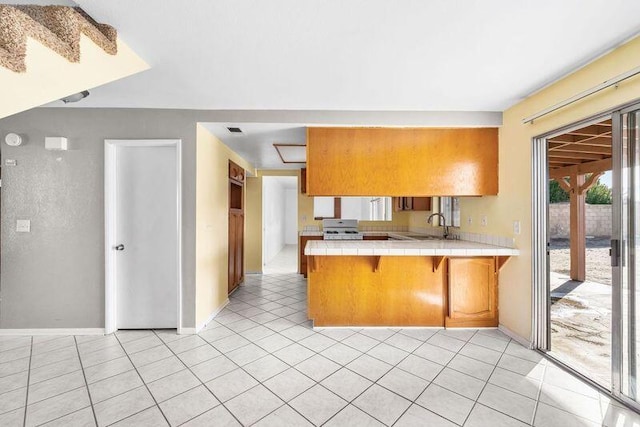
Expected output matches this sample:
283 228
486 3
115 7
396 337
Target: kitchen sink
420 237
424 237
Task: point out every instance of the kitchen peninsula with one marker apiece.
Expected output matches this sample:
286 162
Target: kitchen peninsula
431 282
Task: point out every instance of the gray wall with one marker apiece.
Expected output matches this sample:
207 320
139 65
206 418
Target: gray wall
53 277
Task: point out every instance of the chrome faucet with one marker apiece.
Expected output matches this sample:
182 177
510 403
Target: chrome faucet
445 232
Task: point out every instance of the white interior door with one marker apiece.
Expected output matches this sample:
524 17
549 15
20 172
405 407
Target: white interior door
146 223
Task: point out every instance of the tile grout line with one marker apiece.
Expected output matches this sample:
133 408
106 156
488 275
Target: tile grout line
376 382
201 383
342 339
475 403
539 394
143 382
350 402
86 384
413 402
26 399
393 366
260 383
442 369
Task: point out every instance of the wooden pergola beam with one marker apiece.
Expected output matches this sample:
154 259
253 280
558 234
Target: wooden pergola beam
575 155
581 148
562 182
565 160
581 169
590 182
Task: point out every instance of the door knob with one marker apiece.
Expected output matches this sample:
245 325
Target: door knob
120 247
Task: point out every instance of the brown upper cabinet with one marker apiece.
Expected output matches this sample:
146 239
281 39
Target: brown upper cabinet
411 204
397 162
236 172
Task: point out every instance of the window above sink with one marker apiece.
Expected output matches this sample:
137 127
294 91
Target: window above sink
360 208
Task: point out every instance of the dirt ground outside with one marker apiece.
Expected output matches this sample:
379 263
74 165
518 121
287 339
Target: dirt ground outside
598 260
581 311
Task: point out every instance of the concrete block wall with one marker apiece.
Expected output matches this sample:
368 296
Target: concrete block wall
598 220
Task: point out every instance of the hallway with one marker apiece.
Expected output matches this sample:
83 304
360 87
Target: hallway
286 261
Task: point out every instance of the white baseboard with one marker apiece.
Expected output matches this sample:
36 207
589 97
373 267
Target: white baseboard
186 331
202 325
53 331
328 328
508 332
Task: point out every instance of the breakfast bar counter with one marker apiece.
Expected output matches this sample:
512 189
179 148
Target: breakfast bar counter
428 247
431 282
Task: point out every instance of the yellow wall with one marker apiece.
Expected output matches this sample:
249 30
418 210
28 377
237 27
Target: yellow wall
253 216
50 76
212 222
514 199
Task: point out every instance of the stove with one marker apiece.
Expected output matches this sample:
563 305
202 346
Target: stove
341 229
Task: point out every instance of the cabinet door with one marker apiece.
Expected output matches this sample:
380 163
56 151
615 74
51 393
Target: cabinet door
232 251
398 204
407 204
421 203
472 289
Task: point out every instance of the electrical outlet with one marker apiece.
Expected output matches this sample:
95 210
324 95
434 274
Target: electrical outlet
23 226
469 220
516 227
483 221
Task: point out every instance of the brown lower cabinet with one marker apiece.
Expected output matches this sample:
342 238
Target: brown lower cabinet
302 258
236 249
472 292
375 238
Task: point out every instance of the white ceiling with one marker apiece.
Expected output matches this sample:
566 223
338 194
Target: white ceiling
371 55
255 143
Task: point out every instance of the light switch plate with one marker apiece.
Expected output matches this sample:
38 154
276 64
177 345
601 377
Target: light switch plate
484 221
516 227
23 226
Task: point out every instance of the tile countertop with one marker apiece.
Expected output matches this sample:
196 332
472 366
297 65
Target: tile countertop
311 233
405 248
394 234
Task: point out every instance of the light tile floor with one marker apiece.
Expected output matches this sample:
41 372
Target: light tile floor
261 363
286 261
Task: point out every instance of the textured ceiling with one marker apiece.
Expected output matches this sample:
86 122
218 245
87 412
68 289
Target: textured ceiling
255 143
381 55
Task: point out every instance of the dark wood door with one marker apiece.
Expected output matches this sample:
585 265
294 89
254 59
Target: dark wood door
232 250
239 249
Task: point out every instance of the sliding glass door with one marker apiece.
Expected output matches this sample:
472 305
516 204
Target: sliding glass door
623 348
625 257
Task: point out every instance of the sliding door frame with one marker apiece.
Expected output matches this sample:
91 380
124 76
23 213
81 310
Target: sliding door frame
627 266
541 325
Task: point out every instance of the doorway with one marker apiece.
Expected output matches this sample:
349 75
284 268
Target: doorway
619 375
142 221
579 238
280 224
